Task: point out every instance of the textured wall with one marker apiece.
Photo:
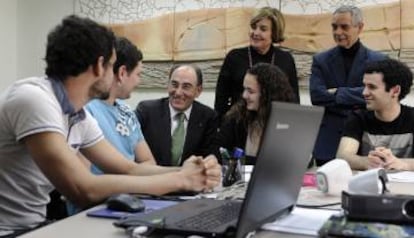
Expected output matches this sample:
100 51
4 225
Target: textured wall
205 35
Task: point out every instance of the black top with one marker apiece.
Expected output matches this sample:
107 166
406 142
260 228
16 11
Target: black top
231 134
230 82
370 132
349 56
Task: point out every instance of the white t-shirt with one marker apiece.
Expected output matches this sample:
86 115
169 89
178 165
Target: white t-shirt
27 107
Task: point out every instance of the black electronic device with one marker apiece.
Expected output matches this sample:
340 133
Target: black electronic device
383 207
272 191
125 203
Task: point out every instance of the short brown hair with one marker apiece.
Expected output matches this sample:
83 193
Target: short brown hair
277 19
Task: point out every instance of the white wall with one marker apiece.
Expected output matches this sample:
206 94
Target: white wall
34 21
8 38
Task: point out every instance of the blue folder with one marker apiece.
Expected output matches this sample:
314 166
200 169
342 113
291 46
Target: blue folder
150 205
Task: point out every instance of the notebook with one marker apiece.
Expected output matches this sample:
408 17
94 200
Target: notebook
272 191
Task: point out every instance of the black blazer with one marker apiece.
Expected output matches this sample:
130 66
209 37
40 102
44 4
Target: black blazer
154 116
328 71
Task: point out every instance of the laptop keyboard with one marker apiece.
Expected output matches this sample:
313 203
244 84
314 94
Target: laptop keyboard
211 219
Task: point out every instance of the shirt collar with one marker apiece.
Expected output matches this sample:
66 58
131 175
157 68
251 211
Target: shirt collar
62 97
174 112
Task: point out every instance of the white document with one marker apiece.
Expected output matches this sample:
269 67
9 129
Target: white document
303 221
247 169
402 177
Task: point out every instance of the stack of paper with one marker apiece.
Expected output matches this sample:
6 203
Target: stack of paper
301 221
402 177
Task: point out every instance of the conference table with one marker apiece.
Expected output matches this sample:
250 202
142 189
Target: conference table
80 225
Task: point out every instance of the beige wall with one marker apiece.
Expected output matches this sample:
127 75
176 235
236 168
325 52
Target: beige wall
35 18
206 35
8 38
25 24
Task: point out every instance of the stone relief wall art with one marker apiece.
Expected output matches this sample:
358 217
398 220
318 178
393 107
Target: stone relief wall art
201 31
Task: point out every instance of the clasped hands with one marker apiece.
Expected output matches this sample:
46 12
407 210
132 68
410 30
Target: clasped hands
382 157
202 174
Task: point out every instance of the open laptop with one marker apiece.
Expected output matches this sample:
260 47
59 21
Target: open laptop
273 188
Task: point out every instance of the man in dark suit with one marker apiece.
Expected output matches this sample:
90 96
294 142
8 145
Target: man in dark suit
336 79
158 118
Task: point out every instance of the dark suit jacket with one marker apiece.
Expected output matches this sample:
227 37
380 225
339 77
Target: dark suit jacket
154 116
328 71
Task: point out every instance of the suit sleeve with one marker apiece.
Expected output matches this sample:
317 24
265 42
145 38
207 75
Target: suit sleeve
318 88
349 96
139 112
344 98
353 95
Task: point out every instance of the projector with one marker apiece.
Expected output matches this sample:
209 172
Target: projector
383 208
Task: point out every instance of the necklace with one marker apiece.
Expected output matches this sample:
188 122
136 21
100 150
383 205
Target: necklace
251 59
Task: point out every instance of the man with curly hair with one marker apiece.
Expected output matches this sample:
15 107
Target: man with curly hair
45 133
382 135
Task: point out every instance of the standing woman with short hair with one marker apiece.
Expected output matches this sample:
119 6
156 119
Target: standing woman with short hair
267 28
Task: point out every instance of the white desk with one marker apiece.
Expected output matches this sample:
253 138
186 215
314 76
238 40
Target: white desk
79 225
82 226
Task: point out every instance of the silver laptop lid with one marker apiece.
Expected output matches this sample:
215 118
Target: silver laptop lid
282 160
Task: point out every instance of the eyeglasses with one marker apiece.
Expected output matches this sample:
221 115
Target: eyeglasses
344 27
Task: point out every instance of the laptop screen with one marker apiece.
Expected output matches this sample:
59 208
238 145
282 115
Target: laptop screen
282 160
